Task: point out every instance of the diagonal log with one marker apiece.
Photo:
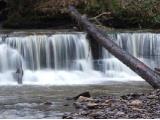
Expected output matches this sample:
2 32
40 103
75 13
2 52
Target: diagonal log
100 36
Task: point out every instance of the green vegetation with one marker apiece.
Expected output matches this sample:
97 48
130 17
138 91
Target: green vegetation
121 13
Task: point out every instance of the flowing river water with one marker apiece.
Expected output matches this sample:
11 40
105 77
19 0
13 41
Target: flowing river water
61 64
30 101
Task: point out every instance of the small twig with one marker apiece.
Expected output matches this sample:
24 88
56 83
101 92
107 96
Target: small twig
98 16
97 22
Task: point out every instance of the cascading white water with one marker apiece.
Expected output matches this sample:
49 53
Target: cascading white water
10 58
144 46
66 59
60 51
58 59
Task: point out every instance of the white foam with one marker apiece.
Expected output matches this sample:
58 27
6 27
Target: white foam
51 77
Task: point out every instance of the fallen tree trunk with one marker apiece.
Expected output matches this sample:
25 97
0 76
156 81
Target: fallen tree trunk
133 63
157 70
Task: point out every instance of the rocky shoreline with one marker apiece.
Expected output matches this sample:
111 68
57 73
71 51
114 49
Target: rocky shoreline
134 105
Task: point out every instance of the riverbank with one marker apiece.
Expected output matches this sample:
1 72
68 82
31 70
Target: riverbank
133 105
33 14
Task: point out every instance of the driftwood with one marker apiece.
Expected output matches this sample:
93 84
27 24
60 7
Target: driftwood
100 36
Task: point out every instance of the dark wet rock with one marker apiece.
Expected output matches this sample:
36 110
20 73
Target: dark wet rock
48 103
84 94
67 116
66 105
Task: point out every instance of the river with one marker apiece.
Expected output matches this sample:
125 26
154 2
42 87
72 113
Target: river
25 102
61 64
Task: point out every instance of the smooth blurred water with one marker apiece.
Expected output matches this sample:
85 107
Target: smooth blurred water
61 65
66 58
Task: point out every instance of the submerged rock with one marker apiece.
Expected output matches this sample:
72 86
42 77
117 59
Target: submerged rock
66 105
48 103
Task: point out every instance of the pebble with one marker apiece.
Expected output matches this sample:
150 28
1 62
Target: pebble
130 106
91 105
152 97
84 99
137 103
120 113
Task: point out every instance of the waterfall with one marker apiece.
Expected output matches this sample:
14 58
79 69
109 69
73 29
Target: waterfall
10 58
59 52
55 57
66 58
144 46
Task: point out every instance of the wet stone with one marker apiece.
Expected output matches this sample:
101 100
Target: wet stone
92 105
79 105
66 105
96 114
48 103
130 106
84 94
152 97
137 103
84 99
